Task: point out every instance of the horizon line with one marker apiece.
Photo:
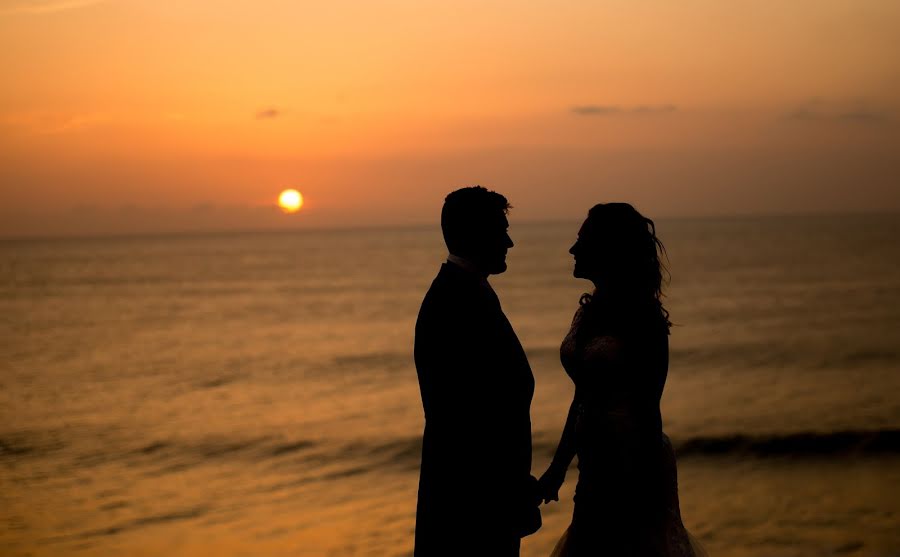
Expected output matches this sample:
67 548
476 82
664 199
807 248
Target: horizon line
420 225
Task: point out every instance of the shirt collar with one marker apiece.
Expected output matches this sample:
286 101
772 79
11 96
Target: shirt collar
467 266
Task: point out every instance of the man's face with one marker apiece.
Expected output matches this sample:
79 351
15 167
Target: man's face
490 253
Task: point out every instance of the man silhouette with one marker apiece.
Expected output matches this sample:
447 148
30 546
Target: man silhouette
476 492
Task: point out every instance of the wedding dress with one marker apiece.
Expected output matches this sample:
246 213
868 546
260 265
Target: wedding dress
626 499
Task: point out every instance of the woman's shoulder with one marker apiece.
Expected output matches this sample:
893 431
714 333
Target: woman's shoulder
628 323
584 301
580 310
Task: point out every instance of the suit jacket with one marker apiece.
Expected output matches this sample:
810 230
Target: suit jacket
476 386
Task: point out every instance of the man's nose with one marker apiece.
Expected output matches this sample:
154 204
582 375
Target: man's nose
509 242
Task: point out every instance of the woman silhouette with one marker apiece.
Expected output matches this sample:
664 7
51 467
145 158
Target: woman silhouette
617 354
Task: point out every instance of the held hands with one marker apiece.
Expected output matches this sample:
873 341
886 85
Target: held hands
530 520
550 482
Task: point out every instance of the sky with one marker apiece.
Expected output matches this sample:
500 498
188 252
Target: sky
136 116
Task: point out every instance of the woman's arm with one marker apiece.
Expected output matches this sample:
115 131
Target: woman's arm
553 478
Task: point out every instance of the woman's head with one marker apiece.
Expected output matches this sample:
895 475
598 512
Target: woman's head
617 249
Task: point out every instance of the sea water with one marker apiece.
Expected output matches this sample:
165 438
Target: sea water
254 393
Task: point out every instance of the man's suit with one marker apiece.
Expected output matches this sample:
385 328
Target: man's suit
475 487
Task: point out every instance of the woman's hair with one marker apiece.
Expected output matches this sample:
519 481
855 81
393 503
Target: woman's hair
630 256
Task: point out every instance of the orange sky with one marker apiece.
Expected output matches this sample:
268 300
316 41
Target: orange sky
140 116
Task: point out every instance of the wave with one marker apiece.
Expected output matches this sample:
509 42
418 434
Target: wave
326 460
811 444
405 454
846 443
741 356
382 361
140 522
749 355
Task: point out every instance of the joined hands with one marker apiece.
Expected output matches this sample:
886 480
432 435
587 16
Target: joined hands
550 482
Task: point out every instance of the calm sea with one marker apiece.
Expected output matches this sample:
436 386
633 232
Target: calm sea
254 394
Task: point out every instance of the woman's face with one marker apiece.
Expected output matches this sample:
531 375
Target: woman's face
585 250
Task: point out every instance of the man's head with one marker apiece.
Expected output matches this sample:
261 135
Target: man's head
475 227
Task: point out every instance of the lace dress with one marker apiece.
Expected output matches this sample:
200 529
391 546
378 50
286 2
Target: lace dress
626 500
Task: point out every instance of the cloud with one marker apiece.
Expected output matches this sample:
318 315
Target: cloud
268 113
645 109
820 111
40 7
865 116
605 110
594 110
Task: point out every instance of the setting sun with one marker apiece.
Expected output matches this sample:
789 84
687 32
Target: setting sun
290 201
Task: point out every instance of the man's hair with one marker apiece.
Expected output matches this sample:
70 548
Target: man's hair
467 213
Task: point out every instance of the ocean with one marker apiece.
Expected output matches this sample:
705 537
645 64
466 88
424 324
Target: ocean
254 393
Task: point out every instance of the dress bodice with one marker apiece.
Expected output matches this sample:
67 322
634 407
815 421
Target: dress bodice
615 371
580 353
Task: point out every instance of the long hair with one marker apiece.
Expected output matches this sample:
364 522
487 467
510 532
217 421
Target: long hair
631 254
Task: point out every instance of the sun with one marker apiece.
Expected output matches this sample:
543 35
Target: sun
290 201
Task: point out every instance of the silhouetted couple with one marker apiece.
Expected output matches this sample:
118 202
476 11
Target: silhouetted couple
477 496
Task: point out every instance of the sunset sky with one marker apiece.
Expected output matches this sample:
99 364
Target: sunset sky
123 116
